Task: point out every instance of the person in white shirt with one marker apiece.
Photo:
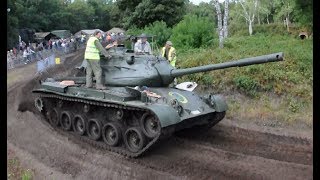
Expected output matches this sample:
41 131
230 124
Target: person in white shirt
25 56
142 45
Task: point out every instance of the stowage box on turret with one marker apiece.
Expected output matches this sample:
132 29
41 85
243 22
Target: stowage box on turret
139 107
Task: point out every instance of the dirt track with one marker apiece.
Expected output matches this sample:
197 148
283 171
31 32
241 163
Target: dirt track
227 151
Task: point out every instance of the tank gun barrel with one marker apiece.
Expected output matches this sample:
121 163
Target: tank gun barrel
238 63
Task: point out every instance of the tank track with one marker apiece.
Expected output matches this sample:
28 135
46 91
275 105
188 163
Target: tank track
101 144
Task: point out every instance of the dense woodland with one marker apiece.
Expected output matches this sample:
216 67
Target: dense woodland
178 19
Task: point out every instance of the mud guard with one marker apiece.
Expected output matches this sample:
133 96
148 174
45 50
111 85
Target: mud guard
166 114
219 103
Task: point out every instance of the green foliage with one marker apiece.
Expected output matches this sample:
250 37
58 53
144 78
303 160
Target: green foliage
26 175
12 32
101 17
207 79
293 76
35 14
13 23
134 31
144 12
193 32
303 13
158 29
44 16
246 84
238 29
270 29
128 4
202 10
116 15
82 14
294 106
284 9
299 13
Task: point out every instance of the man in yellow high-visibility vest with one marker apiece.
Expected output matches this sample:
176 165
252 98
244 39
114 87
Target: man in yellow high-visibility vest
93 60
169 53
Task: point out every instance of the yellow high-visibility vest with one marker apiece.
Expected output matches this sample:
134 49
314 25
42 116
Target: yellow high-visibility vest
92 52
171 56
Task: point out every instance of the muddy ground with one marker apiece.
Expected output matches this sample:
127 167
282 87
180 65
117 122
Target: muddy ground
230 150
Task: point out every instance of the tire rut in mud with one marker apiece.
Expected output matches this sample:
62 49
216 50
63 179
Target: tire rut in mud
196 161
249 142
231 152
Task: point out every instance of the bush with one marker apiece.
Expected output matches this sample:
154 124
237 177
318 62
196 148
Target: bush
263 29
236 29
193 32
246 84
270 29
158 29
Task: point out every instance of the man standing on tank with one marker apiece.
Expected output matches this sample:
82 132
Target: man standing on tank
142 45
93 60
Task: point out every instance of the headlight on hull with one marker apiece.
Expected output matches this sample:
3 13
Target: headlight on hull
175 104
218 102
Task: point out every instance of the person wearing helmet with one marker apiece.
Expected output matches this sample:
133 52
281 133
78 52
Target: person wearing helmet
169 53
142 45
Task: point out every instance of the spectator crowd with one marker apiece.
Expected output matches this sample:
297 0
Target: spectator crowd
25 53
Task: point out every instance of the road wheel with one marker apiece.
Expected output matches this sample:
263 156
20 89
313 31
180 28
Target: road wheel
54 117
94 129
134 139
66 120
79 125
111 134
150 125
38 102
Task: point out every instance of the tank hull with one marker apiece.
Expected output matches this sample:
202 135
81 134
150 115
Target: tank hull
117 117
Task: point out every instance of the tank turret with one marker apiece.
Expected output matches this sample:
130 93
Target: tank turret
129 69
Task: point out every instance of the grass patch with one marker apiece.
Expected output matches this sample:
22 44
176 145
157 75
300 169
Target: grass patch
26 175
15 169
275 110
292 76
290 80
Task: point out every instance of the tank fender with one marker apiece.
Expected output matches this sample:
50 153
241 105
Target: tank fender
218 102
166 114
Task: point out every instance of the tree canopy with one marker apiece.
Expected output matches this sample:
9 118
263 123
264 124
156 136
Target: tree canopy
74 15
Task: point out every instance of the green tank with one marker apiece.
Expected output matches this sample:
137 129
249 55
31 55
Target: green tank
138 108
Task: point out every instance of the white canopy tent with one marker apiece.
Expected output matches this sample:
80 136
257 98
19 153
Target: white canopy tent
87 32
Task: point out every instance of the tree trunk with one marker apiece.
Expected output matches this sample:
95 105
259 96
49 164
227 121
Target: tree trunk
225 19
220 28
249 15
250 28
268 19
287 23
